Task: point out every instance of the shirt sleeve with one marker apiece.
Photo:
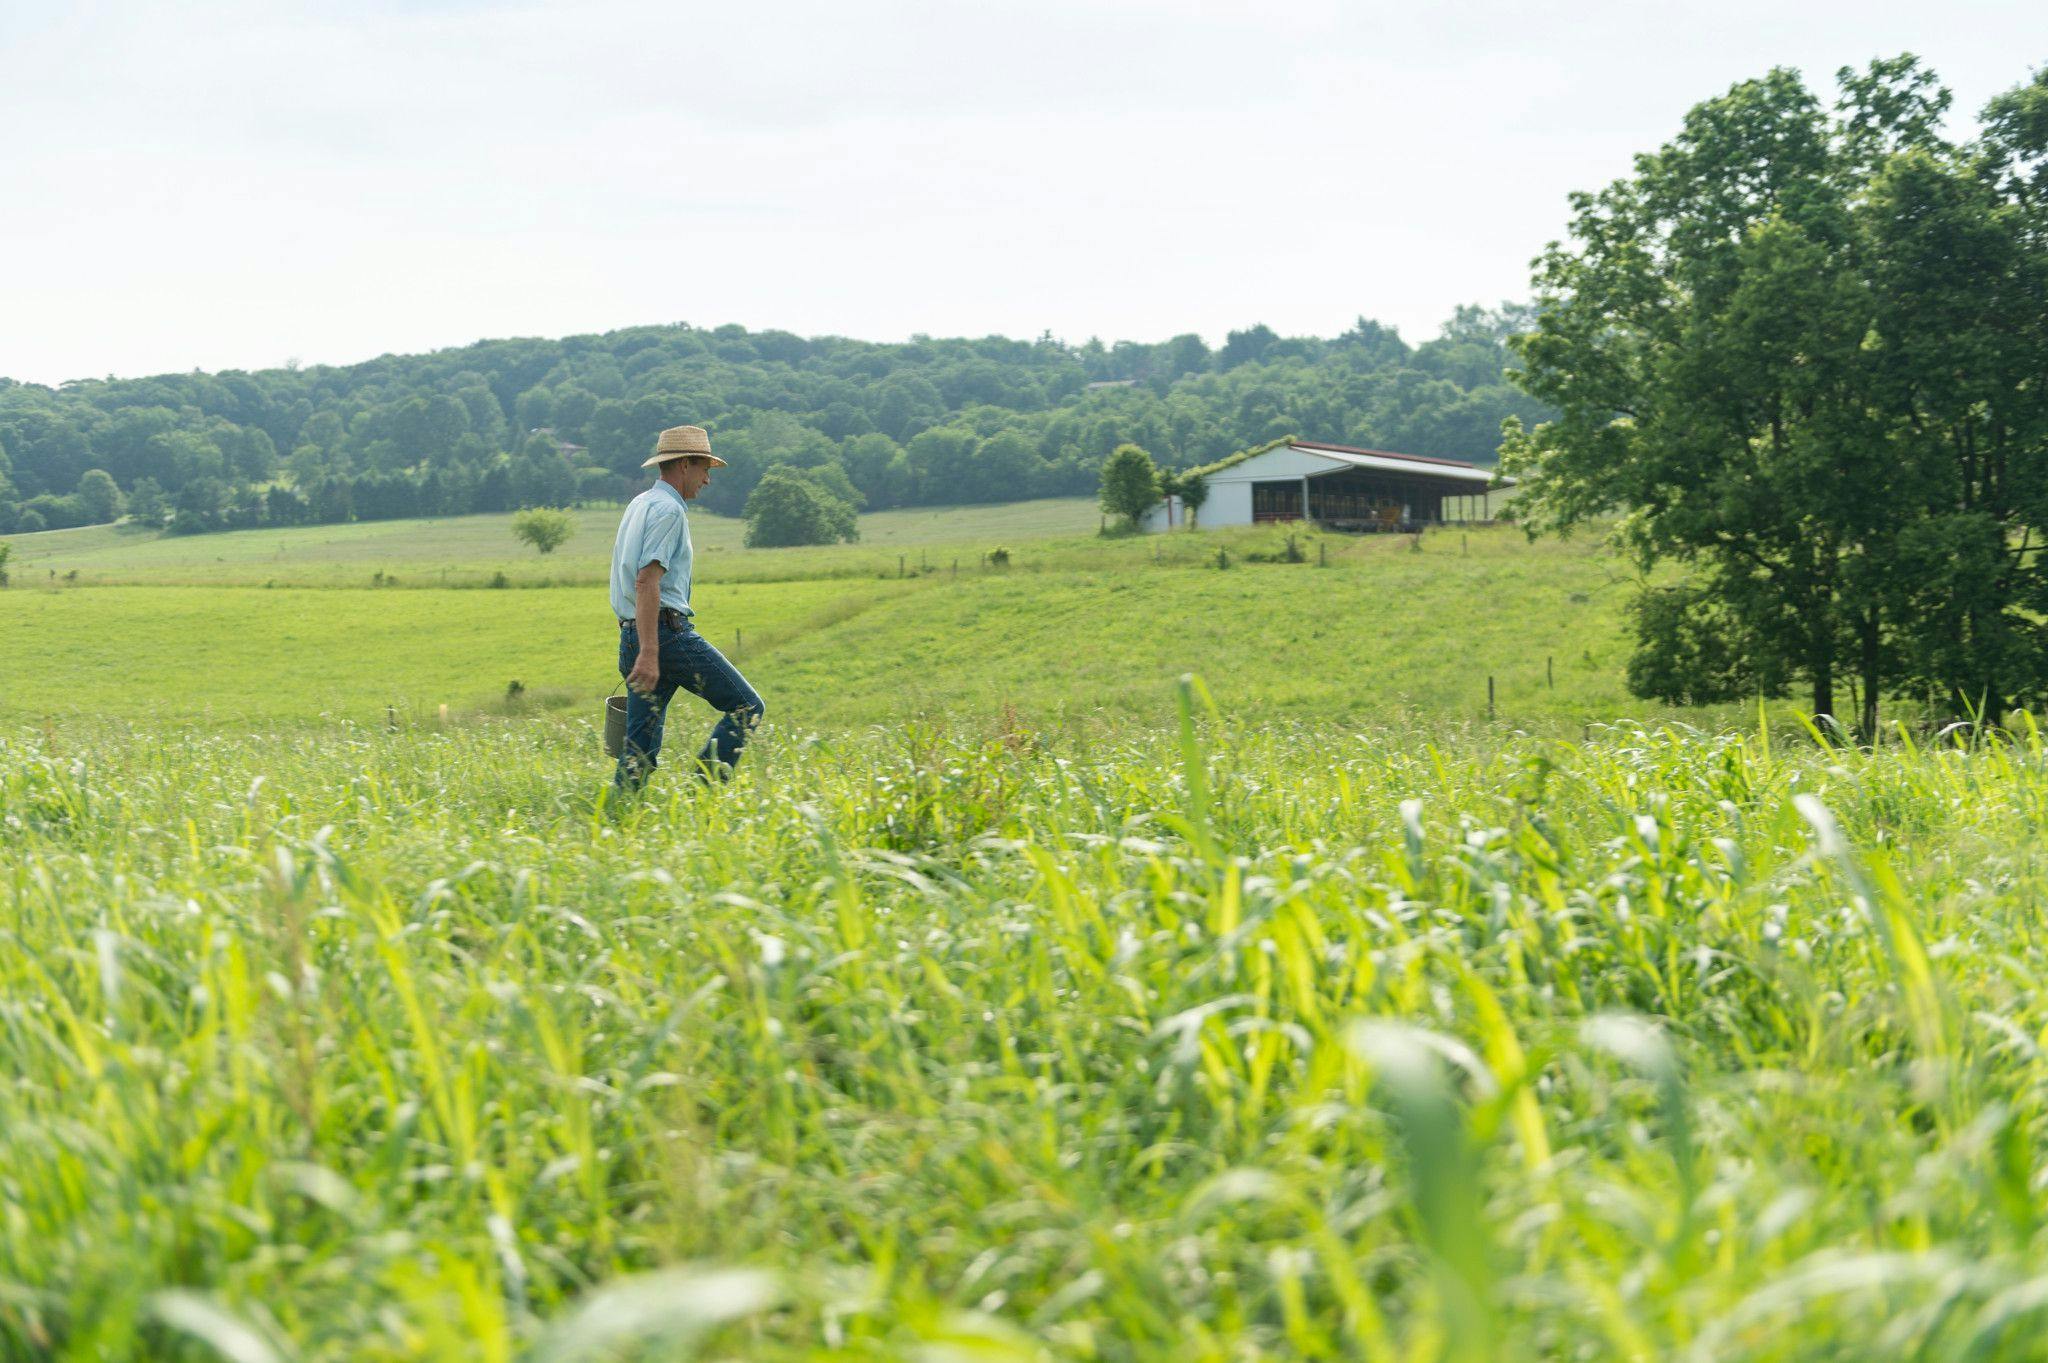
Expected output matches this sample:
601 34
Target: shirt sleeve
660 538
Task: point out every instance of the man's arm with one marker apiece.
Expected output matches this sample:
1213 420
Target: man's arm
646 616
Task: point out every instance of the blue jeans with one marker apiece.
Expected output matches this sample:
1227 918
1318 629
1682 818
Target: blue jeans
689 662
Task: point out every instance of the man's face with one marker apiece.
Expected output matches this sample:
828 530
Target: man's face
691 478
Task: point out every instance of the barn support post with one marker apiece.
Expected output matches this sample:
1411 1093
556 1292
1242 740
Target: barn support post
1304 496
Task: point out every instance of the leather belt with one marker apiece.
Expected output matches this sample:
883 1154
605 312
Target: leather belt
667 615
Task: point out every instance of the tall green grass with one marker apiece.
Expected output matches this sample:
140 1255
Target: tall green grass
1232 1040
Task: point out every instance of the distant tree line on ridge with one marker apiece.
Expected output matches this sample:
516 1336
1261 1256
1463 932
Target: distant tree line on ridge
502 425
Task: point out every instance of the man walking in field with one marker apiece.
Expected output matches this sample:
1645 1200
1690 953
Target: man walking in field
659 648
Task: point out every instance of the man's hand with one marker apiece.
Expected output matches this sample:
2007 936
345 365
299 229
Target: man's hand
646 672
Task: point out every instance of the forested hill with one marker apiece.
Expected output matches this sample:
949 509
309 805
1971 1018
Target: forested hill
504 424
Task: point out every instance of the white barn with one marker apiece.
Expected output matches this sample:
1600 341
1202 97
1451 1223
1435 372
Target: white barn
1339 486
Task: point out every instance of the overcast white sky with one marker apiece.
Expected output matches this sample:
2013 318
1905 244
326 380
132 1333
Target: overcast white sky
232 183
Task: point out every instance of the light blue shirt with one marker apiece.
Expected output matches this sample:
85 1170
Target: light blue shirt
655 529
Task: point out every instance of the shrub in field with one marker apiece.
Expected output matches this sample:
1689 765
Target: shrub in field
786 509
543 527
6 552
100 497
147 504
1130 484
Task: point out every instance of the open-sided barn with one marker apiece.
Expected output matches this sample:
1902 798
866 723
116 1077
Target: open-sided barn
1340 486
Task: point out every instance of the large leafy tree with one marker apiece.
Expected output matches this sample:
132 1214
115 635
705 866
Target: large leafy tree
1798 355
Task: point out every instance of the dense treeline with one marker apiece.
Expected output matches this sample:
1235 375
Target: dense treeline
507 424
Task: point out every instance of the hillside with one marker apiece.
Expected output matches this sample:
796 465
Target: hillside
504 424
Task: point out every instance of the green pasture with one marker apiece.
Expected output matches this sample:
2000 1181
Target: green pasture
223 656
1075 631
1249 1040
469 551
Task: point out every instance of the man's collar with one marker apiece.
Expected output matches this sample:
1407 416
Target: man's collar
669 488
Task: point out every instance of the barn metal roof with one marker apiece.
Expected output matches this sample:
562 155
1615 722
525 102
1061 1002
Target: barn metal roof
1342 457
1413 464
1325 447
1352 456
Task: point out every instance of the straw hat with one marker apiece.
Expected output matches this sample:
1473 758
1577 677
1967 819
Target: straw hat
679 442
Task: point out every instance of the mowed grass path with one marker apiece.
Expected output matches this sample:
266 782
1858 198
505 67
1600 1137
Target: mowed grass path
1382 633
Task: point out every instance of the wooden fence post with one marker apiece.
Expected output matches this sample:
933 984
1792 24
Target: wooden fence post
1489 697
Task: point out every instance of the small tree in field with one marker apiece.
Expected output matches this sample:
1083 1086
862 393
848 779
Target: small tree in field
1193 490
543 527
6 551
785 508
102 497
147 503
1130 484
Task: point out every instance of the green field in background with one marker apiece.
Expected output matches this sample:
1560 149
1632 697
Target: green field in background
1075 629
470 550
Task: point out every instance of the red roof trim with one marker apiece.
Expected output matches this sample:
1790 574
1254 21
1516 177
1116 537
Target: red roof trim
1382 454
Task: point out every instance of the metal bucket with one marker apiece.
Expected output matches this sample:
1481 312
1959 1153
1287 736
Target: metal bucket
614 724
